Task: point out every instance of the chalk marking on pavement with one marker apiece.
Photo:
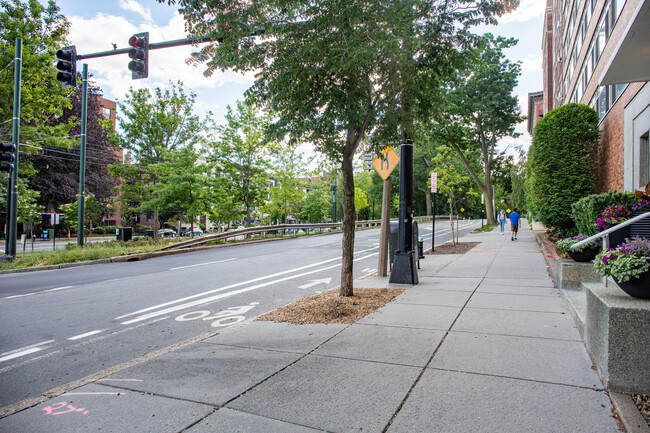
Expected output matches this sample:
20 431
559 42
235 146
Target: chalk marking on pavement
233 293
203 264
232 286
87 334
27 350
93 393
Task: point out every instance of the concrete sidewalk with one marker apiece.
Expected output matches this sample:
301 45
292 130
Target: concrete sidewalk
482 344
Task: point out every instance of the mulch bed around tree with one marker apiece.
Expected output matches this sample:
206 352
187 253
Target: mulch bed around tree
448 248
329 307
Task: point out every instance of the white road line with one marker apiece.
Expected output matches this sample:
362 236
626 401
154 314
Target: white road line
231 286
24 351
19 296
58 288
87 334
203 264
229 294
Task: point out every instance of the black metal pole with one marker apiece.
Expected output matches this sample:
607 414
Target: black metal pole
404 268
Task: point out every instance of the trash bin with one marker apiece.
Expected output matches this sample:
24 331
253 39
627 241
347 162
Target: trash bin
393 244
44 235
123 233
148 233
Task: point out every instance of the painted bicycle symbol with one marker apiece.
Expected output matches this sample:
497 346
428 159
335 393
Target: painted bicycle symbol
223 318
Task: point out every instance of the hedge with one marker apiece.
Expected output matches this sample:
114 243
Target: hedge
585 211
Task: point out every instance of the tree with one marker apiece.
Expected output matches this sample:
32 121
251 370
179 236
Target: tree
153 126
287 192
242 155
560 164
57 177
336 72
43 31
317 204
92 212
185 185
481 106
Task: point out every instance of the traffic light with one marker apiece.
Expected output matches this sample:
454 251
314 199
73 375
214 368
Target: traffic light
67 65
139 52
7 157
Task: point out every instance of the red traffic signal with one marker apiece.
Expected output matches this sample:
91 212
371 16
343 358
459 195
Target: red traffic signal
139 53
67 66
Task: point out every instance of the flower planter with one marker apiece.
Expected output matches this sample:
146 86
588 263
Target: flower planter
618 237
586 255
637 287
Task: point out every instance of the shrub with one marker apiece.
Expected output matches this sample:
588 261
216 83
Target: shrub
561 163
588 209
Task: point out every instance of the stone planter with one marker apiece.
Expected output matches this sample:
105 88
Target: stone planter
637 287
586 255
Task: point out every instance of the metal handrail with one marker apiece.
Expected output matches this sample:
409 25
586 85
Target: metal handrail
605 233
271 228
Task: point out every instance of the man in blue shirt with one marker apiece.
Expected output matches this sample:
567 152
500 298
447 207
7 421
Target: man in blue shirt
514 224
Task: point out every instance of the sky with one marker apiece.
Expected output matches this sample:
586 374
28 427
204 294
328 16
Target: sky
97 25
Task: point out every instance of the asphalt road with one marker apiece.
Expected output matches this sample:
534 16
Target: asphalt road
64 325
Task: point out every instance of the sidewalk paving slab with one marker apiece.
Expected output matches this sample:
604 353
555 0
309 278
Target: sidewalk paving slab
106 409
488 286
284 337
404 346
206 373
539 359
517 302
415 316
519 323
338 395
433 297
454 402
227 420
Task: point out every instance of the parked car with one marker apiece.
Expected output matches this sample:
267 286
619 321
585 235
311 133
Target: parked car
167 233
197 232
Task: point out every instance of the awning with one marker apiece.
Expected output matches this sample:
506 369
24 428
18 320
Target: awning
631 60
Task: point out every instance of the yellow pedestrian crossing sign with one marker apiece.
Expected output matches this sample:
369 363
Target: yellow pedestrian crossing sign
385 163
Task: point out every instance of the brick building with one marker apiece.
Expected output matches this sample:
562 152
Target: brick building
597 52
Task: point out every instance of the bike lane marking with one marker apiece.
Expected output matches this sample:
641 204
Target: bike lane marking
27 350
232 286
235 292
87 334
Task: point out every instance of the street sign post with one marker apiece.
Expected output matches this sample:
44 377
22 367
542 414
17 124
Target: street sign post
434 190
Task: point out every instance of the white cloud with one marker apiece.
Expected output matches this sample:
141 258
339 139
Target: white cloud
134 6
111 73
528 9
532 62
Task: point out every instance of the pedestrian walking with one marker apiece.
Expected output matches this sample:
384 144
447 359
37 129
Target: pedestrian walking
502 220
514 224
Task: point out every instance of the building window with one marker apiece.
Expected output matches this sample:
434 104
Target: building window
106 112
644 160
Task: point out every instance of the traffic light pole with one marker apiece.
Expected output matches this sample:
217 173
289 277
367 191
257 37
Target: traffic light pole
12 206
82 156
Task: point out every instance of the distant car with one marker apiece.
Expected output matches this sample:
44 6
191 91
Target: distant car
167 233
197 232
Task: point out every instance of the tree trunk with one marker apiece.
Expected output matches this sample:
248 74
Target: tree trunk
384 236
347 227
427 197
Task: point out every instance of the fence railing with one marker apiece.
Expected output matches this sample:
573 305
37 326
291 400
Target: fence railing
284 228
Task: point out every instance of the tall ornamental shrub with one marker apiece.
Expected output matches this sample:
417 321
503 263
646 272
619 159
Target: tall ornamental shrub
585 211
561 161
